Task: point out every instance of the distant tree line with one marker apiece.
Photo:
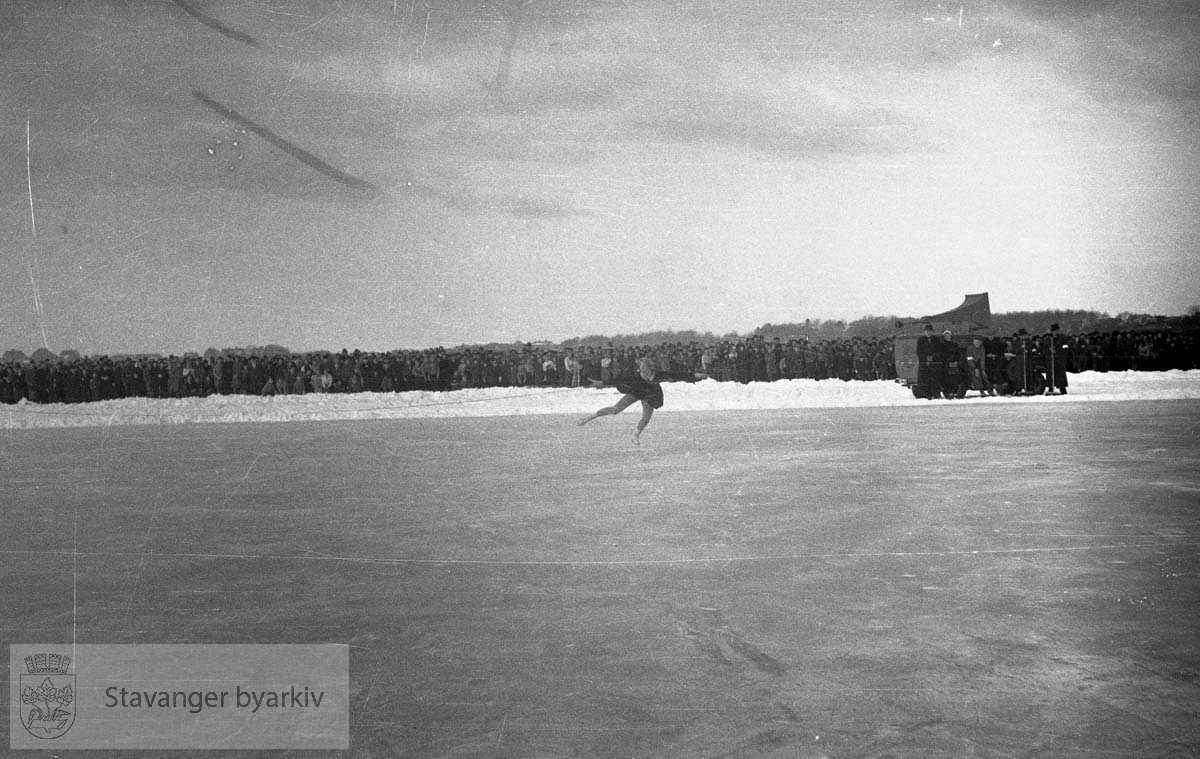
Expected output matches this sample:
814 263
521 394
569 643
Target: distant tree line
867 327
879 327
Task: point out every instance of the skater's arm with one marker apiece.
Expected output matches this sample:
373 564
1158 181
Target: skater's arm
629 385
679 376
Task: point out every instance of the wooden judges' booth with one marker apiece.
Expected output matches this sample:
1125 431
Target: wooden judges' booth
972 318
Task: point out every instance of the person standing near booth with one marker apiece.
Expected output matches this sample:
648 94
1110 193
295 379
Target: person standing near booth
977 367
929 367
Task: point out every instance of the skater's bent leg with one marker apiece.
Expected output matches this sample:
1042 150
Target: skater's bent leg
647 412
625 402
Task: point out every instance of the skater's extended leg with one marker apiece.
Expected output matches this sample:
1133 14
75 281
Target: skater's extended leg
625 402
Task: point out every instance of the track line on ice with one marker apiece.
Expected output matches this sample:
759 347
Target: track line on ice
606 562
75 585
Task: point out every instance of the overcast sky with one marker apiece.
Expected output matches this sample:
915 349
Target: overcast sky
185 174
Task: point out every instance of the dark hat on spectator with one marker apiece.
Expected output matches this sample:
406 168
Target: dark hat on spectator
1053 327
928 326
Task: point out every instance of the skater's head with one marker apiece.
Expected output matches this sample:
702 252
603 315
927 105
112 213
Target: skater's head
646 368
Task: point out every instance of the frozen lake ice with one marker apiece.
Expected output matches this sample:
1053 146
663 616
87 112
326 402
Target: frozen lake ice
994 577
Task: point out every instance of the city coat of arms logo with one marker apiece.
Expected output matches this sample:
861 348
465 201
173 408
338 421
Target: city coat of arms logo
47 695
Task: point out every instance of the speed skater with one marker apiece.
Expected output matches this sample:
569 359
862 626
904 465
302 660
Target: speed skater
644 387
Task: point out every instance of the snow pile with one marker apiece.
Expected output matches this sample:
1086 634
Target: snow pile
708 395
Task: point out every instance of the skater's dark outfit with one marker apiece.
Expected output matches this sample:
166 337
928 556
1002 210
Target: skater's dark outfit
930 368
645 387
1057 352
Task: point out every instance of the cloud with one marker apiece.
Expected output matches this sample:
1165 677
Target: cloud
473 202
751 136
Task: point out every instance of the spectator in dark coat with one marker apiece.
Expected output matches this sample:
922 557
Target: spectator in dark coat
929 364
1056 351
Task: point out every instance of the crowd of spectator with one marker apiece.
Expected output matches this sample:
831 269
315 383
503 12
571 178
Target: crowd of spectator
1120 351
749 359
1026 363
